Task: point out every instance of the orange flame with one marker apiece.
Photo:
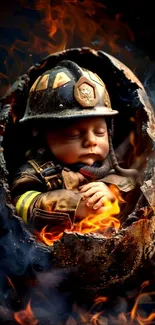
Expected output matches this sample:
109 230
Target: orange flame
134 314
92 223
102 221
99 222
147 320
122 318
11 283
116 192
95 318
57 25
145 284
26 316
49 237
100 299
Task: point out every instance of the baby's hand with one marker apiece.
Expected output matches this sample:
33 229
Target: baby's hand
95 194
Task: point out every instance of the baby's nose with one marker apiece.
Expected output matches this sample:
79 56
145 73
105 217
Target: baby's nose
90 139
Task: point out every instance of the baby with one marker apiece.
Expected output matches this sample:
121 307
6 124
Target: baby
73 162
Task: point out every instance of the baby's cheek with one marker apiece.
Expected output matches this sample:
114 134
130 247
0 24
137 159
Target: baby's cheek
105 149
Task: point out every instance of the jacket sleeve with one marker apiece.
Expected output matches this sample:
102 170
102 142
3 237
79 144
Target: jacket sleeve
130 193
39 207
125 184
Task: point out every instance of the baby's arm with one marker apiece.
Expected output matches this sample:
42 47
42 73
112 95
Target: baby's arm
38 207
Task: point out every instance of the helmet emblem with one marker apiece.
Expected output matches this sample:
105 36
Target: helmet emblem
41 83
85 92
34 84
60 80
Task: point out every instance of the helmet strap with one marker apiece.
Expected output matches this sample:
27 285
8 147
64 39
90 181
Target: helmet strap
97 172
117 168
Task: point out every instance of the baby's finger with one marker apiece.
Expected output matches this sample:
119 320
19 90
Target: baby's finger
95 198
100 195
88 193
99 204
86 187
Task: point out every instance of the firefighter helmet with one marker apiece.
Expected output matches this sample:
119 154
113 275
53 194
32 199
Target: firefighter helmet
67 91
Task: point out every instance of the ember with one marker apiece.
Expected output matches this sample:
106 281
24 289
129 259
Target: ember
11 283
26 317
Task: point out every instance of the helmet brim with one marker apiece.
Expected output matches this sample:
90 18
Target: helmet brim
72 113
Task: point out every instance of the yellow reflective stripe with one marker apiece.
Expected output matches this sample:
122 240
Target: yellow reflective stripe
24 202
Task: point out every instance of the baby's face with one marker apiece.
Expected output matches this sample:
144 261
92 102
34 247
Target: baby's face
82 141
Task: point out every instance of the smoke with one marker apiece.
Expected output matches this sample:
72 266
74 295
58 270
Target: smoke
26 273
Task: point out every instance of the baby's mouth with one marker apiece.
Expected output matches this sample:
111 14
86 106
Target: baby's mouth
90 155
93 157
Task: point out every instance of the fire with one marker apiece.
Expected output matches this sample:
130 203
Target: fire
51 26
94 319
49 237
100 299
101 317
26 316
117 193
134 313
97 313
68 19
99 222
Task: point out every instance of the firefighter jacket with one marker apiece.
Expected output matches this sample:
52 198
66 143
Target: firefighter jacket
45 194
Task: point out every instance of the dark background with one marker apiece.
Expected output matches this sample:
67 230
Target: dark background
30 30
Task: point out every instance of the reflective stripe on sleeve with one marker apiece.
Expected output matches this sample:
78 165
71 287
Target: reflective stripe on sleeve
24 202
